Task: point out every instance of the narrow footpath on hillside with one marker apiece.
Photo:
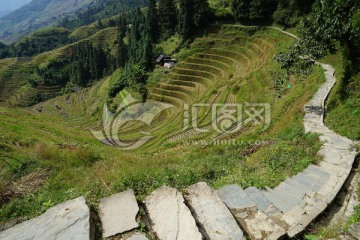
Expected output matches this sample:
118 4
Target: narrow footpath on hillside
227 213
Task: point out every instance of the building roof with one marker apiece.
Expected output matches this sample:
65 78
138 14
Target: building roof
162 57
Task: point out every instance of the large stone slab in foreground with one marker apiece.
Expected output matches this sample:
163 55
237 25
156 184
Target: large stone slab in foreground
256 223
170 217
216 221
118 213
67 221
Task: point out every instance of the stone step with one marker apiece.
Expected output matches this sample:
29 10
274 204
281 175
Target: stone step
137 236
256 223
318 171
215 220
321 180
305 215
281 200
337 141
118 213
170 217
68 220
291 190
260 200
308 181
302 188
235 197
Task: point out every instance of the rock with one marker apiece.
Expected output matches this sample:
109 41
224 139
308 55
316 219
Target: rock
257 224
258 197
354 230
216 221
281 200
292 190
260 227
137 236
235 197
170 217
118 213
66 221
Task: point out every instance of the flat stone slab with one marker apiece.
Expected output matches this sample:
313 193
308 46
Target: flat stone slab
170 218
260 227
137 236
118 213
258 197
280 200
256 223
235 197
354 230
68 220
216 221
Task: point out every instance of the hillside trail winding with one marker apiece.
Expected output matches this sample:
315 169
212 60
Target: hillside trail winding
323 181
285 210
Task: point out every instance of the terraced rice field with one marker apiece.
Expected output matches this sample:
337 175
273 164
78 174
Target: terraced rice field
14 75
207 76
16 72
218 64
105 37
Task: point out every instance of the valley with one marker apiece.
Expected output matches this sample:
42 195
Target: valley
137 128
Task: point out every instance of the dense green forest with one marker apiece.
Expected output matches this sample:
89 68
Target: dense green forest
100 9
54 37
323 26
38 42
89 64
337 22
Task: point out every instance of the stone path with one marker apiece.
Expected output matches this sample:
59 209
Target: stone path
295 203
68 220
170 218
215 220
217 215
118 213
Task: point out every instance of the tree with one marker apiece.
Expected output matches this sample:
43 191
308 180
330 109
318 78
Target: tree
152 23
137 77
167 17
147 53
122 51
4 50
258 10
201 12
330 24
134 76
193 15
186 22
99 24
288 12
241 9
333 21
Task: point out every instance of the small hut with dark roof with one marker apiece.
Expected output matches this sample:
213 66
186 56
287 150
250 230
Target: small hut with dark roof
162 59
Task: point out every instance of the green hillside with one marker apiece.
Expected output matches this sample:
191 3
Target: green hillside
87 110
234 65
35 15
67 13
18 74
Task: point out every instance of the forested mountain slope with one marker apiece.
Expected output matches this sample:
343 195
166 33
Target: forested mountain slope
66 13
35 15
